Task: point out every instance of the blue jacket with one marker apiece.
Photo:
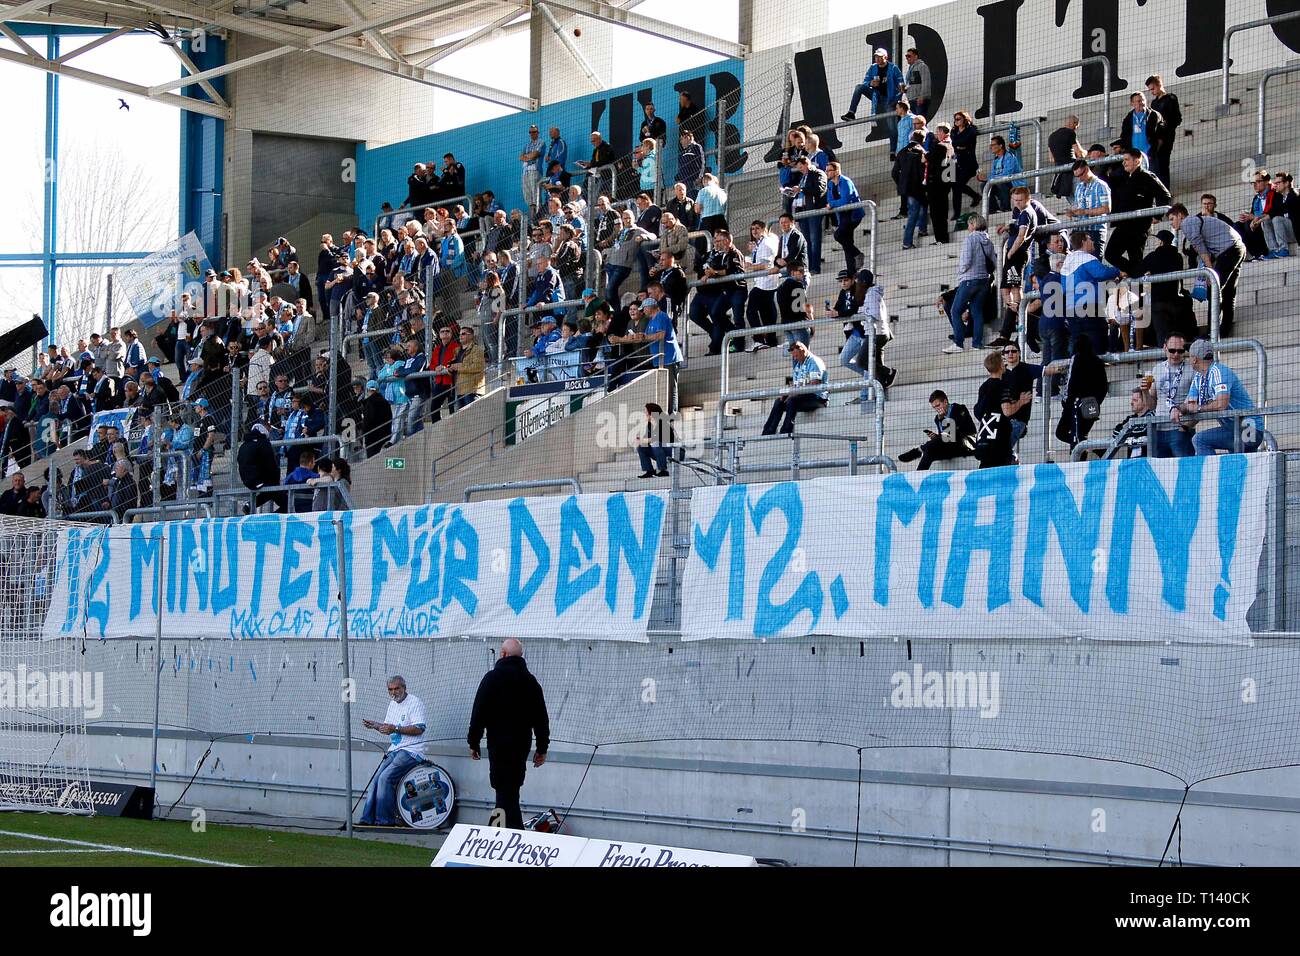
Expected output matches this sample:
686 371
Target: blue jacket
547 287
540 346
844 193
884 96
557 151
1083 275
416 387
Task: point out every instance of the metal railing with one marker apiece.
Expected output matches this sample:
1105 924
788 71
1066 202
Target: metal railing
1103 61
872 215
1263 102
336 493
410 210
1150 355
871 384
1031 121
1222 108
471 490
734 450
1212 287
1150 424
1044 171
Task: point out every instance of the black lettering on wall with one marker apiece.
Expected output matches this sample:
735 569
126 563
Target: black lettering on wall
929 45
1202 37
726 96
621 131
1099 36
1288 32
999 53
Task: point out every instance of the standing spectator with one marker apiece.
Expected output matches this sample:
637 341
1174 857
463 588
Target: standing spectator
1219 247
1064 146
510 706
964 139
624 254
1027 215
1092 197
909 178
855 336
917 79
1284 214
993 410
974 267
792 248
376 419
711 204
1168 385
1085 387
557 151
134 361
1171 307
1132 188
840 191
904 125
653 127
793 305
1166 104
811 197
259 365
690 163
690 115
1005 163
418 390
671 279
660 335
531 178
259 467
884 84
953 435
468 367
445 352
874 321
1083 276
809 370
760 310
602 156
1215 387
1143 128
939 165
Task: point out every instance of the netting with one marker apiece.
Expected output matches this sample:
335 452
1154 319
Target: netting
47 691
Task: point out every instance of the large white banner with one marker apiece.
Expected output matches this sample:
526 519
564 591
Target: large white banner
1134 549
153 285
581 567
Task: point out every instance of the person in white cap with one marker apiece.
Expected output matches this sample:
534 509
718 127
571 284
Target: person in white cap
884 84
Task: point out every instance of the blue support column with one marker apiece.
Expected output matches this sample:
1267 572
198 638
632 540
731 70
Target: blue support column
50 232
202 165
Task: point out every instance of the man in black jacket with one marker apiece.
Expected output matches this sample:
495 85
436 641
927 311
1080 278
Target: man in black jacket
510 706
953 435
1166 104
259 466
1132 188
909 178
376 419
812 195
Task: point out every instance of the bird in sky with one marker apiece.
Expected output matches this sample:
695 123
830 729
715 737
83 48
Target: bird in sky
122 104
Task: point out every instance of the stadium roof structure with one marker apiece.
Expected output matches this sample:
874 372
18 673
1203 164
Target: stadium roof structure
402 38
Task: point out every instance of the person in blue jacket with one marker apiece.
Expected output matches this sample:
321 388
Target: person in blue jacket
1082 276
840 191
884 84
547 286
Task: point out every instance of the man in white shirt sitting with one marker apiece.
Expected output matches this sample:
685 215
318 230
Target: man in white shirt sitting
404 724
809 370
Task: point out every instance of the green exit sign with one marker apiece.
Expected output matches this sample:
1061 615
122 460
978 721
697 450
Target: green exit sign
397 464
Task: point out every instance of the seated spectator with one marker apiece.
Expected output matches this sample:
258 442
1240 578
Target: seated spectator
1284 216
809 370
123 492
331 474
1215 387
1141 406
1250 224
650 445
1020 380
953 435
1169 383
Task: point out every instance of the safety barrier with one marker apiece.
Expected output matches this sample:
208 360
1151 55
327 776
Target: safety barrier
1102 61
1044 171
1263 103
1222 108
